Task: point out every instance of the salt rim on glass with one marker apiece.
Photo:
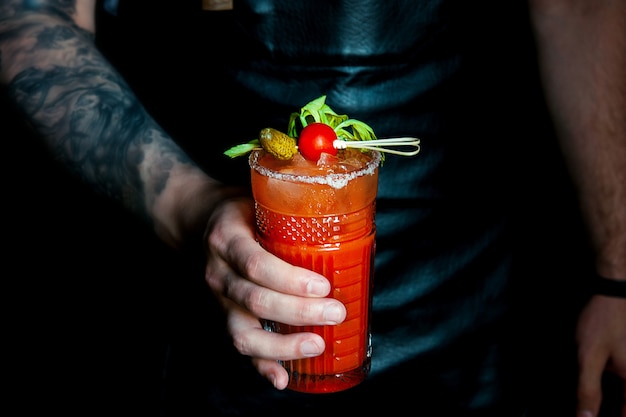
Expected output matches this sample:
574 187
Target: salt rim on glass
333 180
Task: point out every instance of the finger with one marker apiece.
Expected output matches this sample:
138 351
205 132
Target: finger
272 305
589 390
260 266
250 339
231 238
273 372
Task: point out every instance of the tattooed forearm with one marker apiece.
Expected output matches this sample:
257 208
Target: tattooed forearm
85 111
94 125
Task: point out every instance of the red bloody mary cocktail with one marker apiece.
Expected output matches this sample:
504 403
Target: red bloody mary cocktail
321 216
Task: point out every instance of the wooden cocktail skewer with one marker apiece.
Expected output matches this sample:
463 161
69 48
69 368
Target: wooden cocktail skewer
381 145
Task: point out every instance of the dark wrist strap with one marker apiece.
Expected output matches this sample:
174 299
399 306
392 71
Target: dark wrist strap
610 287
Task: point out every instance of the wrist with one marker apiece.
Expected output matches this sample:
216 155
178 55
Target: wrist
184 206
608 286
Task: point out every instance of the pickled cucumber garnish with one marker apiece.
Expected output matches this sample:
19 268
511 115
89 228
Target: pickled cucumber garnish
278 143
272 141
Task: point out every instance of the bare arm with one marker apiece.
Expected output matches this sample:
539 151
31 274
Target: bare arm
582 51
92 121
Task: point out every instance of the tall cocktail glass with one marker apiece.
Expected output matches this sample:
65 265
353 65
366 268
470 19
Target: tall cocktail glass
322 217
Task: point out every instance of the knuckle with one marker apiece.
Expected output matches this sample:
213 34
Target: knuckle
254 263
309 311
257 300
242 344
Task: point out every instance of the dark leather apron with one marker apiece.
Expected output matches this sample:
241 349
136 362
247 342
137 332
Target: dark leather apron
451 72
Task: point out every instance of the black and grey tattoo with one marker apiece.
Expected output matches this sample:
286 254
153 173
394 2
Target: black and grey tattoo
82 107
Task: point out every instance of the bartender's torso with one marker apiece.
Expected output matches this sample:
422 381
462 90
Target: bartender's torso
441 70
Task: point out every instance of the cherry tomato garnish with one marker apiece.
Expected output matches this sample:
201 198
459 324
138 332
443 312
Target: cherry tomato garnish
316 138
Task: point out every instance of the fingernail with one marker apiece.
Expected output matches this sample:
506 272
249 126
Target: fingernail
310 349
318 287
584 413
333 314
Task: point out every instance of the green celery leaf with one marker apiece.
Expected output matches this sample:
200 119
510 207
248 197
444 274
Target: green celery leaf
242 149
